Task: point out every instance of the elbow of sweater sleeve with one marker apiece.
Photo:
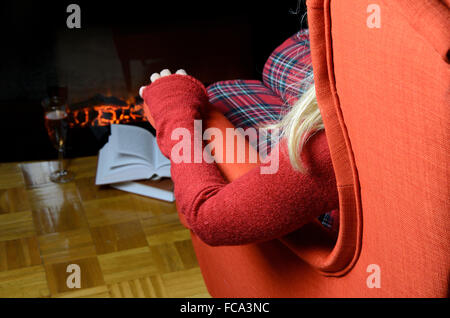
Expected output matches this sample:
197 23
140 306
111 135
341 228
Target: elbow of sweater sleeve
202 217
209 239
213 235
210 224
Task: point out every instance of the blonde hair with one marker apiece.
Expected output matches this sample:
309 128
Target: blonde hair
299 124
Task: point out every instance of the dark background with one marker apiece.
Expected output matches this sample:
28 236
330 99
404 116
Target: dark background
213 40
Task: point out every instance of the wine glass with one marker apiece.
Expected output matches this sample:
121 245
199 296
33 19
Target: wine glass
55 110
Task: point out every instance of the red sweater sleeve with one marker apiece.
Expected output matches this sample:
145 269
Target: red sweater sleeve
254 207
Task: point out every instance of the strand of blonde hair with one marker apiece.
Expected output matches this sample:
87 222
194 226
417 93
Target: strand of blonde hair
298 125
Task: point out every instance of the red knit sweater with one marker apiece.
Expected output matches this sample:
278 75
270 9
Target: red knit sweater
255 207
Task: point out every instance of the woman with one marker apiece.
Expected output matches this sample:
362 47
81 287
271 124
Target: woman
255 207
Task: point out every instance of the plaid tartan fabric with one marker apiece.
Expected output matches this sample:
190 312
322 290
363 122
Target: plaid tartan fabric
248 103
251 103
288 71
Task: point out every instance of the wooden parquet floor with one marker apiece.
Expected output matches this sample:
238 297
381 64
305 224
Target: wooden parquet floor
125 245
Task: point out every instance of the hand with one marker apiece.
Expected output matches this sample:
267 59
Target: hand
163 73
172 102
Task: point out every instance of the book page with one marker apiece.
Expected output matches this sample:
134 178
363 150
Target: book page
131 153
163 172
107 173
161 163
102 164
131 145
162 190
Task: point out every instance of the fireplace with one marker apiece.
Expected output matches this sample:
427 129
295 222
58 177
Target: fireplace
90 120
104 111
113 54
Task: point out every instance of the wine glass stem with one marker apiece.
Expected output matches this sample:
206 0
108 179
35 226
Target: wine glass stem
61 159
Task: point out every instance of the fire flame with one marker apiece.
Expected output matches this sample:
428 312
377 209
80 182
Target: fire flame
104 115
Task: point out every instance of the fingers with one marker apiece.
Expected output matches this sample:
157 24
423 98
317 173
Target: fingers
141 90
154 77
167 72
163 73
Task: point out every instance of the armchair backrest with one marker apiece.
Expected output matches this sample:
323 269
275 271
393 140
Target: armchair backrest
382 78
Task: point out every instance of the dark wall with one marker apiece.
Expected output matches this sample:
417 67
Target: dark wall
28 30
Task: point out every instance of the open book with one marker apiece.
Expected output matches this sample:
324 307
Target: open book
131 161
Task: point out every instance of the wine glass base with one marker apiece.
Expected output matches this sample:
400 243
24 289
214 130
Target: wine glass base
62 176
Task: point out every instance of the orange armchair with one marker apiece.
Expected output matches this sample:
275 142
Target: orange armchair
383 92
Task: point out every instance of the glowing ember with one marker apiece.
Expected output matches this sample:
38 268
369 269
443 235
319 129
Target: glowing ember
106 111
